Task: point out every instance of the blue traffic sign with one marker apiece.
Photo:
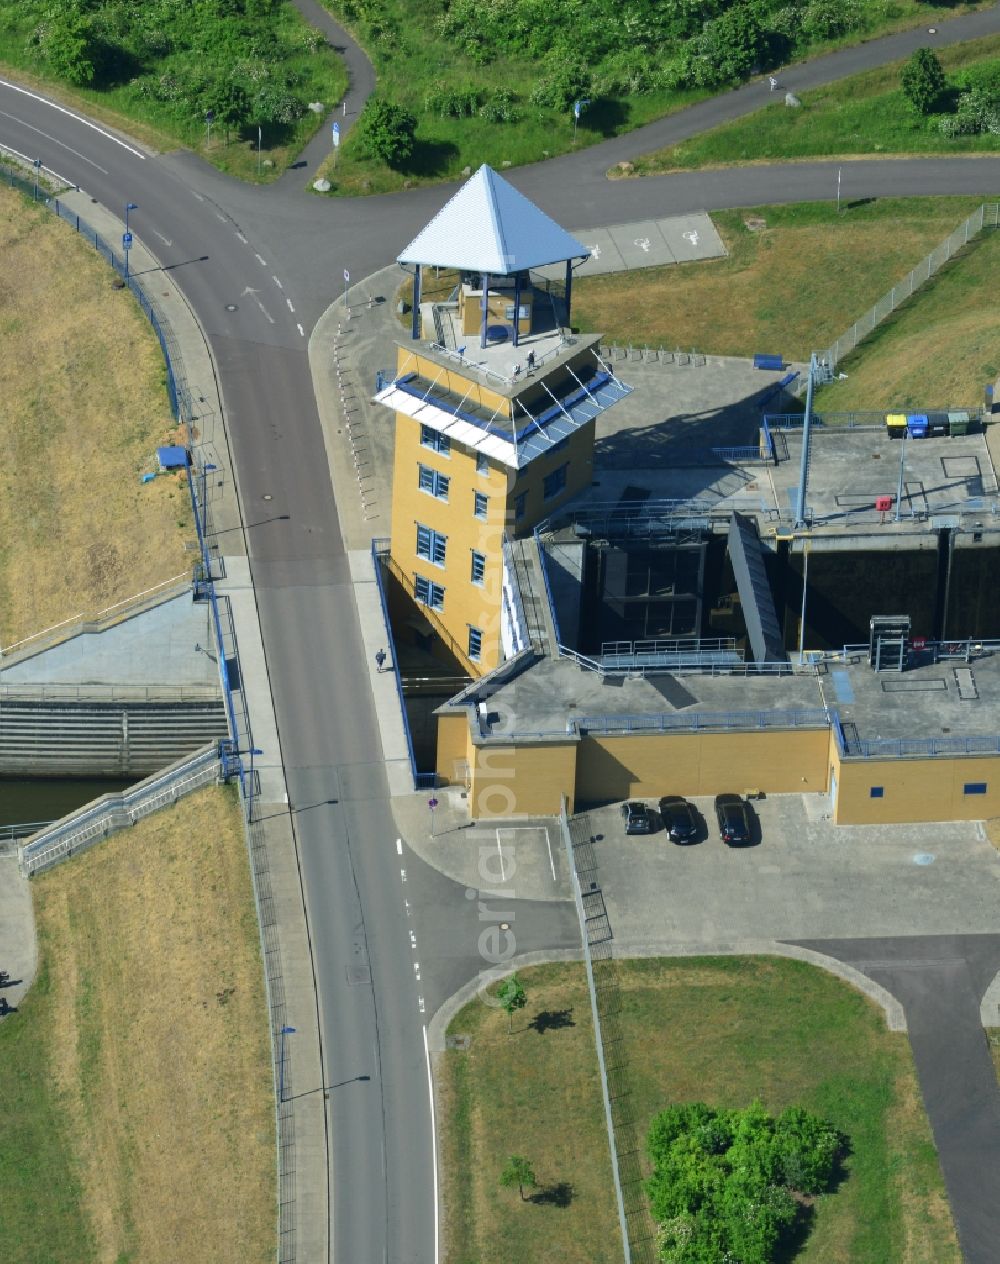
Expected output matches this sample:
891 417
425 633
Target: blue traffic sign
127 240
336 135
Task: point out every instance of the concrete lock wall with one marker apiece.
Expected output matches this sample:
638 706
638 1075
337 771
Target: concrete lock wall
647 766
915 789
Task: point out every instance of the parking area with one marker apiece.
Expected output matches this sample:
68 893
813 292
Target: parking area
805 879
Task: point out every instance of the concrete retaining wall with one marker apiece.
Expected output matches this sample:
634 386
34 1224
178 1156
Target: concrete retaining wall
97 739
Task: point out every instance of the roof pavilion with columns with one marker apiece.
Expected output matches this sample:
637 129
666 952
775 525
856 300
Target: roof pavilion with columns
490 229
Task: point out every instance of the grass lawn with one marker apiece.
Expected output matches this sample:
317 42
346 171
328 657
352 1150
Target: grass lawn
866 114
278 45
791 287
939 350
137 1097
84 409
414 59
719 1030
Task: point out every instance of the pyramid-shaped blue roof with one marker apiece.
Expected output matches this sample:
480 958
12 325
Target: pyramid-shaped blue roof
488 226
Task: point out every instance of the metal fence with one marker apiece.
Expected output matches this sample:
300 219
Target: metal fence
180 403
637 1229
987 216
92 824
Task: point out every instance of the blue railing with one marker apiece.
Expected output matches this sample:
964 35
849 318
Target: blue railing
420 779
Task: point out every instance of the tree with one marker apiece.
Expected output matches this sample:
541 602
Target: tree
923 81
67 44
518 1172
511 996
385 131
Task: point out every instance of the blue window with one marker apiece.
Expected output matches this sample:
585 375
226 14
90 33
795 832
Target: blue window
877 792
482 465
975 787
430 438
479 504
433 483
555 482
431 545
520 501
475 644
428 593
478 567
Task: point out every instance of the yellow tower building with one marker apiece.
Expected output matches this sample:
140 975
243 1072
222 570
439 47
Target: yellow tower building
495 402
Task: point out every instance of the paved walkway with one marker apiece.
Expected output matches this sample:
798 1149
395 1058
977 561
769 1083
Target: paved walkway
18 947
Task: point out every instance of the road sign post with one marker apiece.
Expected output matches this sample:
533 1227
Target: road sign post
432 804
347 287
336 142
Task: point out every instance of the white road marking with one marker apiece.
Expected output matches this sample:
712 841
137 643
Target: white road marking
220 217
503 876
289 302
197 195
548 844
55 141
413 939
416 970
399 846
241 237
69 114
420 1004
166 240
277 282
301 330
406 905
256 298
260 259
24 157
430 1089
402 874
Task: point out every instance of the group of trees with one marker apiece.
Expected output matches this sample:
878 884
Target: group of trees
729 1184
972 105
227 57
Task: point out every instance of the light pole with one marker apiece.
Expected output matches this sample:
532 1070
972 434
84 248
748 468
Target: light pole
37 165
285 1031
205 469
209 115
258 150
127 239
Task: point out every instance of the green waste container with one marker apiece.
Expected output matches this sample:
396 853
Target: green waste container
959 423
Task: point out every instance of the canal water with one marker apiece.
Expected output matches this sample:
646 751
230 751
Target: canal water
45 799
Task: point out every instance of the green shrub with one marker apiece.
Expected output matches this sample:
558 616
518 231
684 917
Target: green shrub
923 81
724 1181
384 131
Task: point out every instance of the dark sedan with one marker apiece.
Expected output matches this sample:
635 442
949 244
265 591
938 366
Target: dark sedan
735 820
638 818
680 819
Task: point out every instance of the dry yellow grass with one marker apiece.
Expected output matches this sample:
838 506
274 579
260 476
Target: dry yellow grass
790 288
155 1029
83 410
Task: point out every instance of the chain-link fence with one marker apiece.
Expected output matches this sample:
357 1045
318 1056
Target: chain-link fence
638 1230
987 216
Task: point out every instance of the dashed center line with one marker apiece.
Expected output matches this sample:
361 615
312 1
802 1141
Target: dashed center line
399 846
301 330
241 237
289 302
76 117
277 282
260 259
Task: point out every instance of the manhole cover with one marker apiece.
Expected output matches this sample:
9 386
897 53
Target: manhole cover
923 858
231 307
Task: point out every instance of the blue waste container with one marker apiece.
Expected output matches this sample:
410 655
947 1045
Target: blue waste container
916 425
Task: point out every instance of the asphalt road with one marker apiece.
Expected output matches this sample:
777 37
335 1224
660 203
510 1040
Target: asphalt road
940 980
258 267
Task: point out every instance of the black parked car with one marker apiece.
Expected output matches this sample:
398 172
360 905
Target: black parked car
735 820
638 818
680 819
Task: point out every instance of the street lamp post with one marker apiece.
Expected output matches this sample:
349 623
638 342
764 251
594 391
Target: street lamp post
258 150
37 165
205 470
127 239
285 1031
